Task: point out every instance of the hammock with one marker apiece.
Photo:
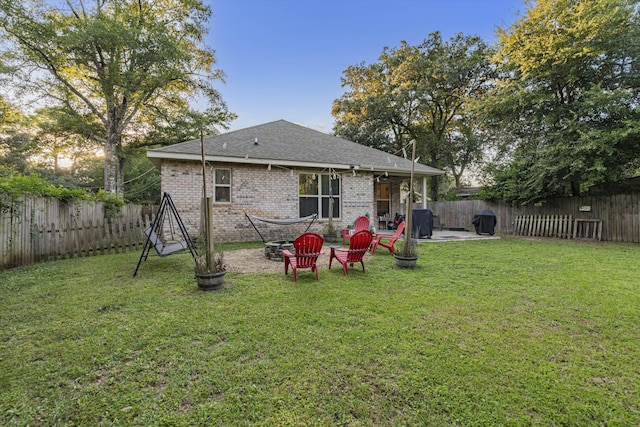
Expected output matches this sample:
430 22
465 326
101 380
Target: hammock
286 221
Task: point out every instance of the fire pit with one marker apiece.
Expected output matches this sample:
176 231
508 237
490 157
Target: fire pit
273 250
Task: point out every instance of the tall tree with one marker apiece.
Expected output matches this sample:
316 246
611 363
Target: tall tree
568 99
16 145
417 92
55 138
112 63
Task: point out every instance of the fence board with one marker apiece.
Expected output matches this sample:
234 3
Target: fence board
620 215
542 225
34 234
42 229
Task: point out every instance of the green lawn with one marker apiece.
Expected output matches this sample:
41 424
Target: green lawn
495 332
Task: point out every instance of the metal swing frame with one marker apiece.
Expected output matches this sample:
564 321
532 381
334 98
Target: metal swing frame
167 207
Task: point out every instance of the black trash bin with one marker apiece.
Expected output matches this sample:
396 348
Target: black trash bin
485 222
422 223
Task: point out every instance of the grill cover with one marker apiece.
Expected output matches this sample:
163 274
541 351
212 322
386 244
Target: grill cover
422 223
484 221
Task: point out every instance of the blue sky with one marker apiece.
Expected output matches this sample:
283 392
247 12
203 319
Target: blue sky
284 59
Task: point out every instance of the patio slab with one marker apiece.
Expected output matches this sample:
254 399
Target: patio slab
451 236
454 235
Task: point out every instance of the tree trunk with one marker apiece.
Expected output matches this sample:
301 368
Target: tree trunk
575 188
110 166
120 176
433 188
112 151
433 181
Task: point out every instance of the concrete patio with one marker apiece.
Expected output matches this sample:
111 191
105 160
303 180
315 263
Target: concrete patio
450 236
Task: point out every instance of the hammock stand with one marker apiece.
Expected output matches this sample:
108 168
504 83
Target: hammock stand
281 222
153 233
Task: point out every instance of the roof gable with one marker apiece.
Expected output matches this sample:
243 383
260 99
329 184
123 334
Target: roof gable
288 144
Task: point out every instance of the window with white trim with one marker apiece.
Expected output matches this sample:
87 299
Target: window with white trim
315 194
222 186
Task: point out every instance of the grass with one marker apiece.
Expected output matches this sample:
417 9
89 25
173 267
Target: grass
498 332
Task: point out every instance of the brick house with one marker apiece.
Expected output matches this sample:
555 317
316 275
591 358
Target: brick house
281 170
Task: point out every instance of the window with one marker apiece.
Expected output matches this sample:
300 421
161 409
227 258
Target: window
315 193
222 186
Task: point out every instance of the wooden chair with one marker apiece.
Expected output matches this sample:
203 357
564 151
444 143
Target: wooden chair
392 239
362 223
308 247
359 244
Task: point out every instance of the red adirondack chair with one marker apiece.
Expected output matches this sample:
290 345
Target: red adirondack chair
308 247
392 239
362 223
359 244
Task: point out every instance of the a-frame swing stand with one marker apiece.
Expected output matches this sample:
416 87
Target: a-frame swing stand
153 233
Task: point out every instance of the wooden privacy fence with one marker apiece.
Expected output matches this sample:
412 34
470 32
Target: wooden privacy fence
43 229
613 217
560 226
80 239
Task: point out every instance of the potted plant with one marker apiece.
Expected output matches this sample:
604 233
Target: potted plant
210 268
329 232
406 258
210 273
407 255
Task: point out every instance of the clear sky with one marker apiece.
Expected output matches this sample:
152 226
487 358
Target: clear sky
284 59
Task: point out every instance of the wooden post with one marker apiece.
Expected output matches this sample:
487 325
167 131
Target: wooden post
408 225
208 208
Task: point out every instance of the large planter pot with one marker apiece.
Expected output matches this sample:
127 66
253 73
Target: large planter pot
405 261
330 238
210 282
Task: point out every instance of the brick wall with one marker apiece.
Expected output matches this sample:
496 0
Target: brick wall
357 197
260 192
396 204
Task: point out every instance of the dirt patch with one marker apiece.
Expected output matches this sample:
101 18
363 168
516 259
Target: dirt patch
254 261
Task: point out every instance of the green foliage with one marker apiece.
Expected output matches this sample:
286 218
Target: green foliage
15 150
567 104
12 187
110 202
420 93
407 249
540 333
141 179
152 61
8 113
18 185
330 228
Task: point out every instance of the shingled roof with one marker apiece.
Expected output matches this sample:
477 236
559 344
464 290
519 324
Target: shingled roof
287 144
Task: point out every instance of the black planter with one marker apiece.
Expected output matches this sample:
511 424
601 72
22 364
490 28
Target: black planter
330 238
405 261
210 282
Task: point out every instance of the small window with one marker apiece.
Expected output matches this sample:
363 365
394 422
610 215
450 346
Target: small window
315 194
222 186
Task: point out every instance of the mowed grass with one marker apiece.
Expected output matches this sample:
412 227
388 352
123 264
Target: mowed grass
497 332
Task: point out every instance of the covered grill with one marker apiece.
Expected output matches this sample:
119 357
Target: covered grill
485 222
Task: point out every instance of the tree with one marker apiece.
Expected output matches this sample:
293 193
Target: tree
417 93
56 137
568 98
115 65
16 145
